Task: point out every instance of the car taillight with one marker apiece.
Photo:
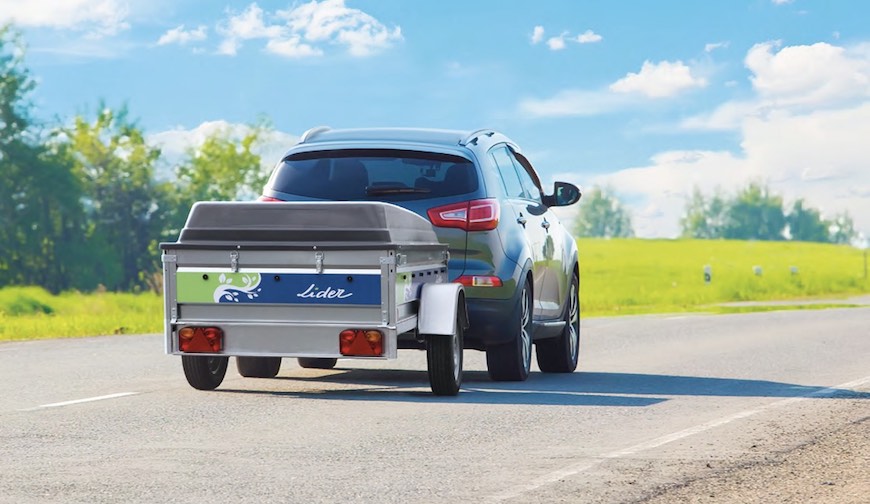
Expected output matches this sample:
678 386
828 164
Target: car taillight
475 215
361 342
195 339
268 198
479 281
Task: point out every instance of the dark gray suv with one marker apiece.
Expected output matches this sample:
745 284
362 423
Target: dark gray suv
517 262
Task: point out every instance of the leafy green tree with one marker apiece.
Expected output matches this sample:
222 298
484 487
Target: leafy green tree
602 215
703 218
41 220
755 214
124 205
842 229
223 168
806 224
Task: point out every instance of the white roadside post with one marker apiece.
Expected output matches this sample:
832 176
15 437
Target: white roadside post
861 242
708 274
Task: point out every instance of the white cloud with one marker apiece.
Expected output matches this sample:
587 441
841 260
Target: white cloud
304 30
795 79
589 37
332 21
802 134
292 48
781 2
96 17
175 143
556 43
537 34
712 46
659 80
179 35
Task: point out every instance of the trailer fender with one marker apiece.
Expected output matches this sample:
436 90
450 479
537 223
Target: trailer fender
440 306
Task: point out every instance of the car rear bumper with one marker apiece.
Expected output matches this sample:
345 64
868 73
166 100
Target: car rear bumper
492 321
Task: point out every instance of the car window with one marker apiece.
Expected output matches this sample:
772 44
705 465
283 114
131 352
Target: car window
374 174
512 185
532 190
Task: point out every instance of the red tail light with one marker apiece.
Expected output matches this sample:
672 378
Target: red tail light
359 342
479 281
193 339
475 215
268 198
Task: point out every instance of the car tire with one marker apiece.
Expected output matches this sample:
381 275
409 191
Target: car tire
561 354
444 359
316 362
258 367
512 361
204 372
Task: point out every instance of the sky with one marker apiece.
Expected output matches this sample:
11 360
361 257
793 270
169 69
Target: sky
652 99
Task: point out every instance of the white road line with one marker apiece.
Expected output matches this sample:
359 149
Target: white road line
577 468
80 401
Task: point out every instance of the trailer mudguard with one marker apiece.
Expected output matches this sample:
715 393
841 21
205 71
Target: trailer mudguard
441 305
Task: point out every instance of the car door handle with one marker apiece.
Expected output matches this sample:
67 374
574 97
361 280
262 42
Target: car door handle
521 221
545 225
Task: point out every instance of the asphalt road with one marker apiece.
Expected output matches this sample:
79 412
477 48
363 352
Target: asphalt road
659 402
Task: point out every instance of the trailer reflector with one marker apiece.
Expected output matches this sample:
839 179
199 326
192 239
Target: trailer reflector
197 339
361 342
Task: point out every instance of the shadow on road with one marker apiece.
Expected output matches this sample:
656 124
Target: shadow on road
576 389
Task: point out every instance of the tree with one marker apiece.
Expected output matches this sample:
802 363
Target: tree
704 219
755 214
601 215
806 224
41 220
123 203
223 168
842 229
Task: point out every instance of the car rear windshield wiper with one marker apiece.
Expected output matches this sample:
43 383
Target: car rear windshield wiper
371 191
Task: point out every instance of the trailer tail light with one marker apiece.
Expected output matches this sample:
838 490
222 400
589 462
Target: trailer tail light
268 199
361 342
479 281
195 339
475 215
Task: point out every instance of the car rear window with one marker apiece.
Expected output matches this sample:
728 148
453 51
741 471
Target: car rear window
374 174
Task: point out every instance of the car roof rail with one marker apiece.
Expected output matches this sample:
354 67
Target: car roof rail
311 133
474 135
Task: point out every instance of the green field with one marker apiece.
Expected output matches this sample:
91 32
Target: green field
617 277
655 276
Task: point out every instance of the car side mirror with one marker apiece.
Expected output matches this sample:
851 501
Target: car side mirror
564 194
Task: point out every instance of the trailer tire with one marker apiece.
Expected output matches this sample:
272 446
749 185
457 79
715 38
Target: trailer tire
512 361
204 372
316 362
258 367
444 359
560 354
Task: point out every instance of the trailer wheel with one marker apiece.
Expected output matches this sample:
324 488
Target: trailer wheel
444 357
560 354
316 362
258 367
512 361
204 372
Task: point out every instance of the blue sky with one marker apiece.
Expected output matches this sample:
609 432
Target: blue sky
650 98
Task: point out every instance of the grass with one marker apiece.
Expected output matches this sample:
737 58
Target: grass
631 276
33 313
618 277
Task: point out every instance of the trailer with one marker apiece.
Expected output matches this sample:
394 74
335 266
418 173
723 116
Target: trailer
318 281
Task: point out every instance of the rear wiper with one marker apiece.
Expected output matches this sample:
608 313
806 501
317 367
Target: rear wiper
371 191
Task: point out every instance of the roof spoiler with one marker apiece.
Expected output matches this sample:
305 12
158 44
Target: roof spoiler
474 135
311 133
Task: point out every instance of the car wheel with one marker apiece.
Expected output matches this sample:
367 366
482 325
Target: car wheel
204 372
560 354
316 362
512 361
444 357
258 367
